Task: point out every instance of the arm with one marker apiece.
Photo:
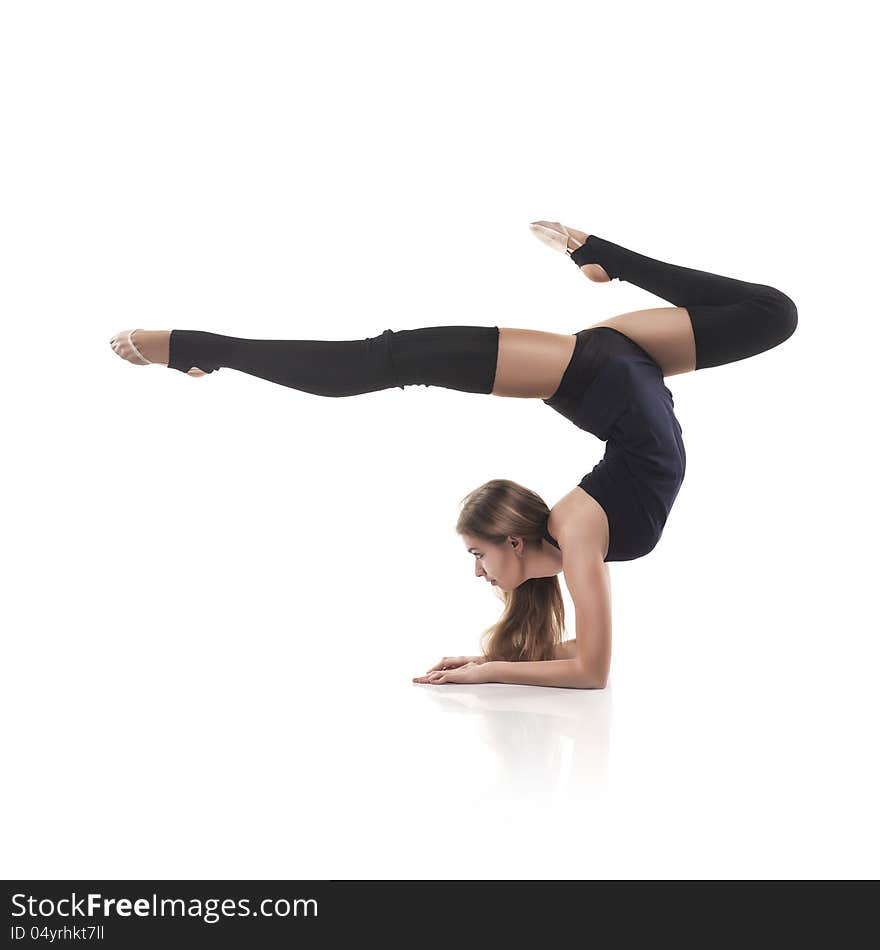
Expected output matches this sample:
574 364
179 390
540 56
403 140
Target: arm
586 577
539 673
581 663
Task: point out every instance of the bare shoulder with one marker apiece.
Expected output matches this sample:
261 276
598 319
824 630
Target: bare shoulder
580 525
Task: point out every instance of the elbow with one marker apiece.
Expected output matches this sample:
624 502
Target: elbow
587 679
593 684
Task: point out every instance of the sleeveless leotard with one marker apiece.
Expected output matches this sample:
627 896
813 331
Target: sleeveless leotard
613 389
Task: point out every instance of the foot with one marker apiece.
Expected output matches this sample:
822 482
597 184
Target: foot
574 240
146 346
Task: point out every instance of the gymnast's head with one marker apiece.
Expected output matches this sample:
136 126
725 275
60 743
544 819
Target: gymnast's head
502 526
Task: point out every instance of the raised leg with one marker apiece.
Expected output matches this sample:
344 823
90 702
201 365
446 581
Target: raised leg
665 333
730 319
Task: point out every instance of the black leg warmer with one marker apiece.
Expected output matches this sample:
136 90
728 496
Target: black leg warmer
462 358
731 319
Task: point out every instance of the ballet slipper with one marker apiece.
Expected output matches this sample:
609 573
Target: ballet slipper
554 235
123 345
557 236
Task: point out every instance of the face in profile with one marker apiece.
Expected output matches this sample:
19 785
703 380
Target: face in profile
496 564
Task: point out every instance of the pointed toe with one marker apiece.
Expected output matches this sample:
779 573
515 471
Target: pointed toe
548 235
554 235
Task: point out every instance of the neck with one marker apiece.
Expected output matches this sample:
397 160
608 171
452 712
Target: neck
544 562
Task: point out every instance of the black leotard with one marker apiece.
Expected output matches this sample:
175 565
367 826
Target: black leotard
613 389
549 536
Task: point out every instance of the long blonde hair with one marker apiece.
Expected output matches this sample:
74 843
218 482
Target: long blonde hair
533 621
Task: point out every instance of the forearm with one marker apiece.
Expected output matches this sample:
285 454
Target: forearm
564 672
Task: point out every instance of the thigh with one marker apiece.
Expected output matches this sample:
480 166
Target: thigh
531 362
665 333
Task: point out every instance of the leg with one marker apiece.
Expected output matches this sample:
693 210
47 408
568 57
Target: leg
462 358
531 362
503 362
666 333
730 319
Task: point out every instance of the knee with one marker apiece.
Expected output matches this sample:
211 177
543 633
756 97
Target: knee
789 318
782 310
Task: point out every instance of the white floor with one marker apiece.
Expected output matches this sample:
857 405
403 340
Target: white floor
378 780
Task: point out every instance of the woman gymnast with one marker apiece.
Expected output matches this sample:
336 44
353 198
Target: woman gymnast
606 379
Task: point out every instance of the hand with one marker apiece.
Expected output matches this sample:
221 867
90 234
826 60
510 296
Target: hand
448 662
468 672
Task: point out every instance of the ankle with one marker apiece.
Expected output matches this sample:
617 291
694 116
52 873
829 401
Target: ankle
576 238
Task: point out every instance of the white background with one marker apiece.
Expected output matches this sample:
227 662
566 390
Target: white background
218 590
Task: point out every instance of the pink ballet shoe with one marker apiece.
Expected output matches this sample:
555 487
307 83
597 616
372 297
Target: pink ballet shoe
554 235
557 236
123 345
